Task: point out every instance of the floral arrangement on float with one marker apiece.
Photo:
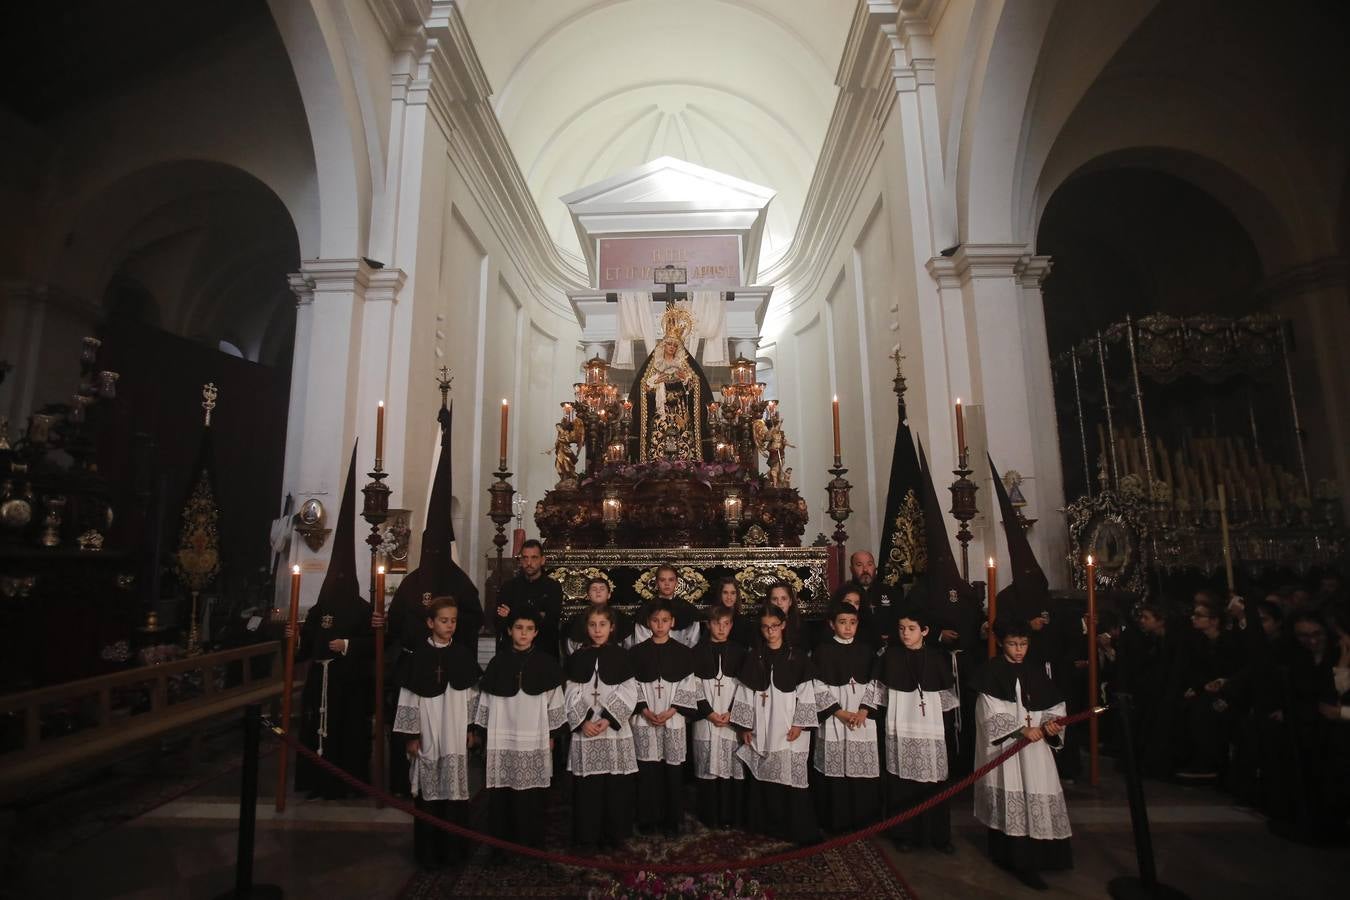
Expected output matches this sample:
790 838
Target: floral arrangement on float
665 468
713 886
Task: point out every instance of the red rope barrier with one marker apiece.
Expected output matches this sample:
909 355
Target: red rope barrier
670 868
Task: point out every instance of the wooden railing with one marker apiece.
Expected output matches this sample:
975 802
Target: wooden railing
114 712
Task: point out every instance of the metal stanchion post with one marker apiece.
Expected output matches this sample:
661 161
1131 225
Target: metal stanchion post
244 888
1146 885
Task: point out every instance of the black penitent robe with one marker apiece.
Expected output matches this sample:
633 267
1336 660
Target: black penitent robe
345 712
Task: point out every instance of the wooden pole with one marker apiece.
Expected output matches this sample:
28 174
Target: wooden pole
992 588
288 685
1223 532
380 742
1093 761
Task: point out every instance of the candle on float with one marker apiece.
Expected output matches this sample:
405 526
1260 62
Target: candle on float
1094 773
379 431
288 682
960 429
379 589
505 412
992 589
835 411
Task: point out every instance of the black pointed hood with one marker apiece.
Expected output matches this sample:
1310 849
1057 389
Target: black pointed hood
1029 589
903 554
942 574
436 573
340 594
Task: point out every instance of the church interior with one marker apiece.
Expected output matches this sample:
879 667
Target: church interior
983 315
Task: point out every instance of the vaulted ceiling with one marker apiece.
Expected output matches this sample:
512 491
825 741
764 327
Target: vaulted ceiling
588 88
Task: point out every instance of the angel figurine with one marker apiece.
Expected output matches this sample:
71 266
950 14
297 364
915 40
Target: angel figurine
571 433
772 444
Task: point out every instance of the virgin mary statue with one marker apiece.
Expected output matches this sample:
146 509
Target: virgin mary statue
671 395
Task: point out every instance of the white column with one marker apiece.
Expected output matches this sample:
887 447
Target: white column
1013 405
330 295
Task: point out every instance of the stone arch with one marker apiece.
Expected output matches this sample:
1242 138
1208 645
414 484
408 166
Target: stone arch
197 248
337 125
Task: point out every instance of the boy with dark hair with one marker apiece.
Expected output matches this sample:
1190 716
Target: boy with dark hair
845 755
915 684
717 660
1021 801
436 704
520 705
664 669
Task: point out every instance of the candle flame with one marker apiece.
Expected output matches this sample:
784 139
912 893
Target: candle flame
379 570
295 570
958 401
380 404
991 562
504 403
1089 559
836 398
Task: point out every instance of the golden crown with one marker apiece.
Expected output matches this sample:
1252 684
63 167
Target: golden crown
677 322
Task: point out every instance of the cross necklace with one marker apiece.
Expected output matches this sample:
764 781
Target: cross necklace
918 684
764 694
717 686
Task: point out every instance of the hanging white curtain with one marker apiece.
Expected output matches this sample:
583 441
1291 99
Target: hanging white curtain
710 324
635 323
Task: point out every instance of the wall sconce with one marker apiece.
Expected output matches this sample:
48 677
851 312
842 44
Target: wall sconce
309 522
611 511
731 506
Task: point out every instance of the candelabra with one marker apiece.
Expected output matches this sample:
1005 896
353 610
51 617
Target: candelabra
963 508
375 510
742 403
605 417
500 511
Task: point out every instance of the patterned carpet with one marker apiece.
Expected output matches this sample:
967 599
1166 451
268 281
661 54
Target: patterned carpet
859 870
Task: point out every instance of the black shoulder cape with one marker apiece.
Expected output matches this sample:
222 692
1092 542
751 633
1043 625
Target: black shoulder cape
837 663
615 667
707 656
927 668
671 661
998 677
532 671
433 668
788 665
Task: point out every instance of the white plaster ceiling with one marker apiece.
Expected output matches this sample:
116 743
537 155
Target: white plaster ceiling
585 89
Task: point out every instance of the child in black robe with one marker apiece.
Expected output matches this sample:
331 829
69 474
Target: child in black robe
601 695
436 703
915 685
520 706
664 669
717 660
845 766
